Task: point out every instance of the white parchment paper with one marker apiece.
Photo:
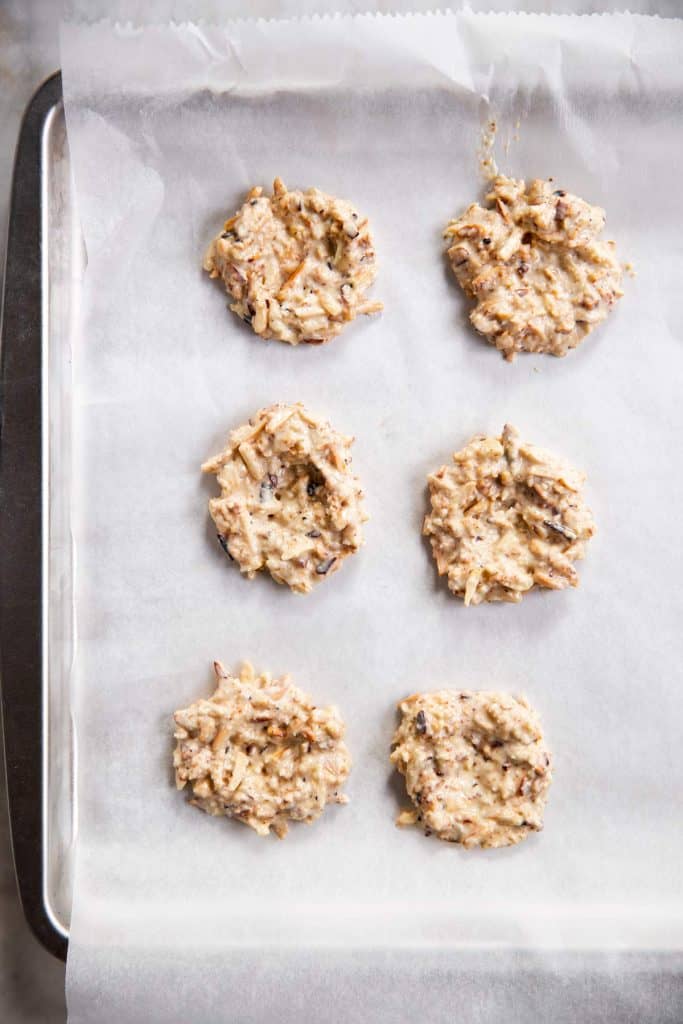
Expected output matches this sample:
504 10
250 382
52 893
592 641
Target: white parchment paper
176 914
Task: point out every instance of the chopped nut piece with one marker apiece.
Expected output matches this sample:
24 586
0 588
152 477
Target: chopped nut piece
406 818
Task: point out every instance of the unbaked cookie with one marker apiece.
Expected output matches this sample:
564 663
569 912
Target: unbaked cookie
259 750
289 502
297 264
541 278
475 766
505 517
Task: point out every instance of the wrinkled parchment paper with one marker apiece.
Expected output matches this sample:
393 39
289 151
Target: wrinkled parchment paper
178 917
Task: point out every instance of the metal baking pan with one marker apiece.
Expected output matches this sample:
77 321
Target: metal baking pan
45 260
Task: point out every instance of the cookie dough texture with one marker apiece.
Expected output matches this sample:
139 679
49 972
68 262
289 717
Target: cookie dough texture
475 764
532 260
505 517
296 264
289 502
259 750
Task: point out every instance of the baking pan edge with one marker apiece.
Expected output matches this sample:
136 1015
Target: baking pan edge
23 535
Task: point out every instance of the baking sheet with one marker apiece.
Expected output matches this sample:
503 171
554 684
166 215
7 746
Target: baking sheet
168 128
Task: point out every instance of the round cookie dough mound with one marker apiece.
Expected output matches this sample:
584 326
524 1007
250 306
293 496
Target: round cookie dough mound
506 517
297 264
289 502
259 750
541 278
475 766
